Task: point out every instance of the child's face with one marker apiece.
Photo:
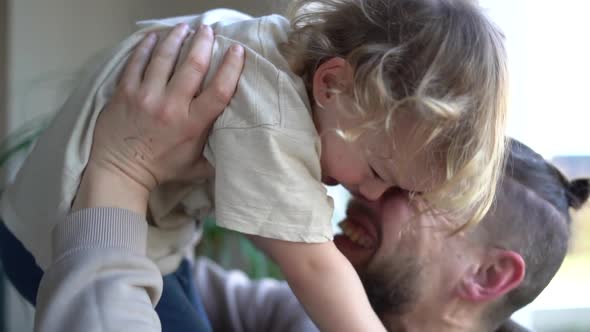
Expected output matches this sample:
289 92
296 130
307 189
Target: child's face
375 161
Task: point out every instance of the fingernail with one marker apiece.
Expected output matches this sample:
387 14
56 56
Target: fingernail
182 28
204 29
237 49
151 37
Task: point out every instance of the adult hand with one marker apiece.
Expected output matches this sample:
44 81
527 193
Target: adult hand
155 127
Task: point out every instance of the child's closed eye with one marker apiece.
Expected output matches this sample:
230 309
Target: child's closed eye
375 174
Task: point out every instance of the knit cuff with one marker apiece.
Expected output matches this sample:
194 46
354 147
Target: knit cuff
100 228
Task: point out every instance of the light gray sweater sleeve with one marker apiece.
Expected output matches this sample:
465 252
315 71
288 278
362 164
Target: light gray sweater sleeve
234 302
100 278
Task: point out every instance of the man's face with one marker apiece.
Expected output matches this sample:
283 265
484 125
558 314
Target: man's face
407 261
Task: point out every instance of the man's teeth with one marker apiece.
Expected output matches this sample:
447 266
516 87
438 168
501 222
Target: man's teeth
356 234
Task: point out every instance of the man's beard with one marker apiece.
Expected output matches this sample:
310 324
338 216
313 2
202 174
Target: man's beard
393 287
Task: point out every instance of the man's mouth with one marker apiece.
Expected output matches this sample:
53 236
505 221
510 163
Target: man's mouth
357 234
358 229
359 240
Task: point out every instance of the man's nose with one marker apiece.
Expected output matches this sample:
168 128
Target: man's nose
372 189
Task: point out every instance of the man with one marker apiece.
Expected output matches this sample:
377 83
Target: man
427 279
419 274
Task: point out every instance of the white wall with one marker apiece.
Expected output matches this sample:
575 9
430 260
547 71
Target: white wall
48 40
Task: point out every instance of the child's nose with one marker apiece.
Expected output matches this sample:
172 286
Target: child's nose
372 189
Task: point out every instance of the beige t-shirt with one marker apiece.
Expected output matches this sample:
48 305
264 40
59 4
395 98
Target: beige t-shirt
264 147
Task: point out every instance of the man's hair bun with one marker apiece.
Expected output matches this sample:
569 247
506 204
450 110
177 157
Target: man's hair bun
578 192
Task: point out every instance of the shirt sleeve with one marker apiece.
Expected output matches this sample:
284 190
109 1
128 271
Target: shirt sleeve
100 278
235 302
268 183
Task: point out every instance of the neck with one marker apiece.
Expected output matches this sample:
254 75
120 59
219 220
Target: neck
454 316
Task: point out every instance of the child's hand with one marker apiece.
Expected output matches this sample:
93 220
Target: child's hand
154 128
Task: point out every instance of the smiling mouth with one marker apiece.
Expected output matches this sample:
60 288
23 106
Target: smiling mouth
357 234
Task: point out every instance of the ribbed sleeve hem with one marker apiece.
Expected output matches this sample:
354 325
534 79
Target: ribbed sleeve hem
100 228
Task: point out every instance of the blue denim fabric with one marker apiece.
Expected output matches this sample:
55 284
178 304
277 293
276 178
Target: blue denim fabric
180 308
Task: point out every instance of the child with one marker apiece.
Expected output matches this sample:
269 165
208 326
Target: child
371 94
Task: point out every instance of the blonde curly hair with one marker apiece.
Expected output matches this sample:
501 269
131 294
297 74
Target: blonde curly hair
442 60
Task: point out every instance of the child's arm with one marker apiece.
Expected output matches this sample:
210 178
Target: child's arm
325 283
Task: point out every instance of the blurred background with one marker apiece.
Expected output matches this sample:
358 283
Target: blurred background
44 43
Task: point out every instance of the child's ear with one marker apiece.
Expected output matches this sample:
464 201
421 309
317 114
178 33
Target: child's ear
500 272
332 75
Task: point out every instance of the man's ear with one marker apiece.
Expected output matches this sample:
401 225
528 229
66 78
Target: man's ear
500 272
332 75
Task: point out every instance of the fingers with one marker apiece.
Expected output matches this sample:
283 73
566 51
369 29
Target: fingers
187 78
135 67
164 58
213 100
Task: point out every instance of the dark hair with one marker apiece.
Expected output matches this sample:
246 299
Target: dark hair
533 172
578 192
532 218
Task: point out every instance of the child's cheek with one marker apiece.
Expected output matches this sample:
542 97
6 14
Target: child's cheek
340 161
